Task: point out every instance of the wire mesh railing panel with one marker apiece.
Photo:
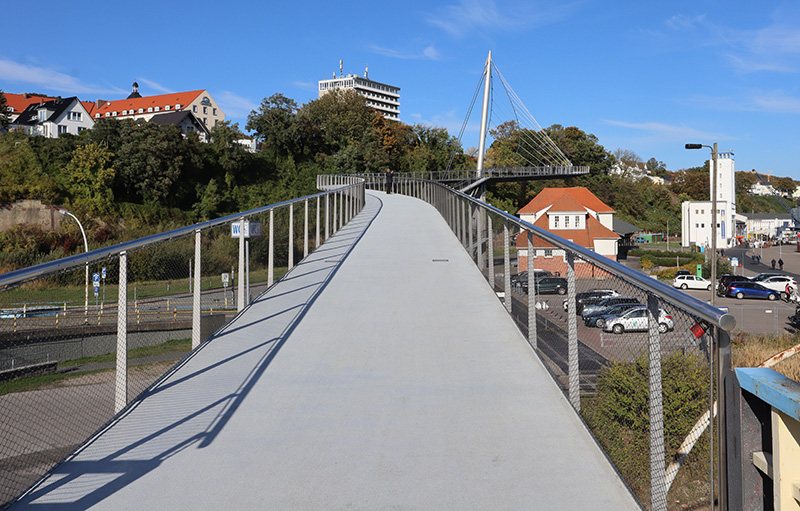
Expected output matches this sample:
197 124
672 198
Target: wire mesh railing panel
597 326
159 311
57 340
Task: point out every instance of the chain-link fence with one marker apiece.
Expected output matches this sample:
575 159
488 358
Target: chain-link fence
599 327
82 337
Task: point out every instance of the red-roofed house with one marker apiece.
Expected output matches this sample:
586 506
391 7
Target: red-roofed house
199 102
575 214
17 103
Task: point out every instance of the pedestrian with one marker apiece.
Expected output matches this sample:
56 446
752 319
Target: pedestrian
389 180
780 264
773 263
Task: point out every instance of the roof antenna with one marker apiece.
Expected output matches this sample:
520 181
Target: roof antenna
341 67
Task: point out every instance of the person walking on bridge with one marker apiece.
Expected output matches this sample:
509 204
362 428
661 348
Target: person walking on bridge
389 180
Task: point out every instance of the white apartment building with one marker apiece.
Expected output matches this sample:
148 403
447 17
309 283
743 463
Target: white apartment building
380 96
696 215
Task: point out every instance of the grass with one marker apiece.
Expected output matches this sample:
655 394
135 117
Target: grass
42 292
752 350
177 346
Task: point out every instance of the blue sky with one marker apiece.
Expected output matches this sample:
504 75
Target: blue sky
643 76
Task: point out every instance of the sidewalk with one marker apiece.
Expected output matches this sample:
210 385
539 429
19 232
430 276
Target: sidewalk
381 373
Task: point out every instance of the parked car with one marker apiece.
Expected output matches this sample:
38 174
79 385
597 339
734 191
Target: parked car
751 290
726 280
590 297
682 272
599 318
778 283
522 276
691 282
636 319
606 303
762 276
547 285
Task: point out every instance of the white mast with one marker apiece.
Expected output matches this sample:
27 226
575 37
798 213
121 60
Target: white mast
485 114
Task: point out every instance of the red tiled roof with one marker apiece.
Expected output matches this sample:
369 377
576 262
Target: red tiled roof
550 196
134 104
583 237
20 102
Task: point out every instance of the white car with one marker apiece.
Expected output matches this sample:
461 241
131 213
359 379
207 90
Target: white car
691 282
636 320
778 283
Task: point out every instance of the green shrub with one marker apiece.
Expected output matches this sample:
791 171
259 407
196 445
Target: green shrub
619 415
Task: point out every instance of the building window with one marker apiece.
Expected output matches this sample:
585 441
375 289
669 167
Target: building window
62 129
141 110
194 108
75 116
166 107
555 221
205 109
157 109
566 221
113 114
177 106
124 112
81 128
577 221
215 111
149 108
548 252
42 115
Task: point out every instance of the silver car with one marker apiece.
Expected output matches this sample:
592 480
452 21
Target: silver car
635 320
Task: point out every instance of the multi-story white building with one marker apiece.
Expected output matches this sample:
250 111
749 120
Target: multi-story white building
696 215
380 96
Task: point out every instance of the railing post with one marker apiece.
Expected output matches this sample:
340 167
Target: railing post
196 304
305 231
507 266
121 384
327 216
335 216
271 249
572 328
481 224
317 243
490 259
341 209
658 483
240 295
724 373
470 211
291 237
533 338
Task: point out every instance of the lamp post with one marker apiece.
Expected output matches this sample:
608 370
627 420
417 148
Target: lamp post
86 247
723 345
713 217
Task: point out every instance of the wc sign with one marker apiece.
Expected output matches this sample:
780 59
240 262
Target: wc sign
251 229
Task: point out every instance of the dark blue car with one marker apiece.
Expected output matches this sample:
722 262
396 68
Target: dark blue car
598 319
751 290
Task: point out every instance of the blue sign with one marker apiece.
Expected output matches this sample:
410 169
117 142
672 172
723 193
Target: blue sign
103 273
96 279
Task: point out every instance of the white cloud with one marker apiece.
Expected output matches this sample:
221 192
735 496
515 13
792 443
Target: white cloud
233 105
469 16
153 85
667 132
429 53
49 79
684 22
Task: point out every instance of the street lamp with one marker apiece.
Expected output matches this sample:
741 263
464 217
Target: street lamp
713 218
86 247
723 355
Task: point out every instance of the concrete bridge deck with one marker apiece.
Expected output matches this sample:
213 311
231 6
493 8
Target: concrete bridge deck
381 373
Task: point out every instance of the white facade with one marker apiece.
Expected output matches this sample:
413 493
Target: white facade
380 96
696 215
696 223
55 117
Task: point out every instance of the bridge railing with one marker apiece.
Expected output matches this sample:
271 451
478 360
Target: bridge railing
81 337
644 386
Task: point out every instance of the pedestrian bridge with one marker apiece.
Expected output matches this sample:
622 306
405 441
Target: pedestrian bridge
380 372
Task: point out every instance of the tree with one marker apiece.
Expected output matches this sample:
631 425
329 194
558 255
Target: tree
693 184
581 148
657 168
3 112
333 122
91 178
272 124
628 161
785 185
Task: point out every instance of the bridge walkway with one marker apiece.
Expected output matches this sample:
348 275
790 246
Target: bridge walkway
381 373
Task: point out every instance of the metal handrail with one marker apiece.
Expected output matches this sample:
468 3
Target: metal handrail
713 315
16 277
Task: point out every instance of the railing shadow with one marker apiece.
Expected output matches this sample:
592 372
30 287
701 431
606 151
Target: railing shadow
171 417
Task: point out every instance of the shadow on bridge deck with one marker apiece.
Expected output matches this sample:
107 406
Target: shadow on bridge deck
381 373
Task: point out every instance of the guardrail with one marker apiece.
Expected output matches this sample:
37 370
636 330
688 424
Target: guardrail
166 294
764 444
611 378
